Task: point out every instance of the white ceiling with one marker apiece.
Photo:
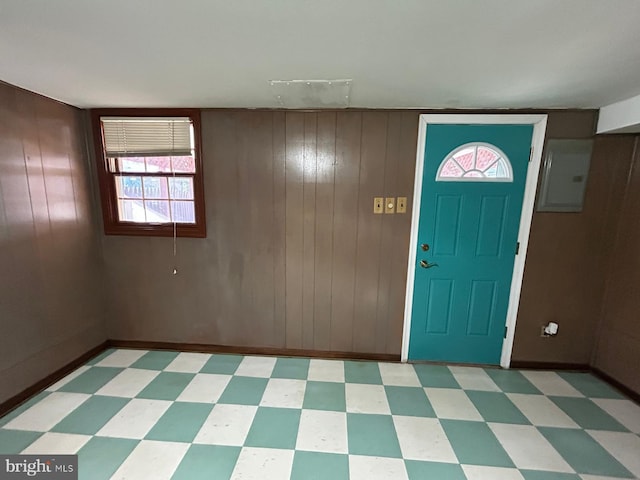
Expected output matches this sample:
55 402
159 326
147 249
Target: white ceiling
399 53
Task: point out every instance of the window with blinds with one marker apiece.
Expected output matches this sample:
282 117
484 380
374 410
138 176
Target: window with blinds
151 173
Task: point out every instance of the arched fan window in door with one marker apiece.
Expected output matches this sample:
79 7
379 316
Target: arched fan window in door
475 162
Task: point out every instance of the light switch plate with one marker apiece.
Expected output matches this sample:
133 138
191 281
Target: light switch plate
378 205
390 205
401 205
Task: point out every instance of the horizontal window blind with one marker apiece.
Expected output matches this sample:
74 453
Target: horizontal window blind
146 136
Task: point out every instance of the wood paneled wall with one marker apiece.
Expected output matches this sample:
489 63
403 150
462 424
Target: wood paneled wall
51 306
568 254
294 257
618 348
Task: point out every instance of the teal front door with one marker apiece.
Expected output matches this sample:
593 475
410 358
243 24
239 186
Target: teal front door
471 202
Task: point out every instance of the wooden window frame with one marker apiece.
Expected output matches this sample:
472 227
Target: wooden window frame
108 195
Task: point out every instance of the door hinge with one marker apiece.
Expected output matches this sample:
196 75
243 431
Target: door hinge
505 332
530 153
517 248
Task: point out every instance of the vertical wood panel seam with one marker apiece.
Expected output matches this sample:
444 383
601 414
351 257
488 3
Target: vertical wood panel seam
357 223
333 224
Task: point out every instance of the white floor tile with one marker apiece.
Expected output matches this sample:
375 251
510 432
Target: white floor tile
227 425
121 358
550 383
322 431
150 459
625 447
452 404
474 472
474 378
135 419
541 411
57 444
63 381
128 383
366 399
399 374
624 411
376 468
528 449
598 477
326 370
263 463
423 439
204 388
284 393
256 367
45 414
187 362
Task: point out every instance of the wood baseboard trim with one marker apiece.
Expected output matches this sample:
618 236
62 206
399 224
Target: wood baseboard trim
632 394
526 365
27 393
269 351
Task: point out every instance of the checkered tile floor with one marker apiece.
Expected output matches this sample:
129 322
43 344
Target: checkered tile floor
153 415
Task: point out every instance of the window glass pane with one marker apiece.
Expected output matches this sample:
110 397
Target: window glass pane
476 162
158 164
157 211
183 212
181 188
131 211
155 187
128 187
485 158
465 158
131 164
451 170
186 164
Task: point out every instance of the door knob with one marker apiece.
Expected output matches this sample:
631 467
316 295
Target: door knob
424 247
425 264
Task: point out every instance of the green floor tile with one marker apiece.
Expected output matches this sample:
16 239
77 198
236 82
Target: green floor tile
362 372
14 441
101 356
91 416
325 396
319 466
225 364
436 376
410 401
181 422
475 444
101 457
538 475
496 407
166 386
296 368
587 414
22 407
274 428
433 471
590 386
244 391
207 462
92 380
155 360
583 453
372 435
511 381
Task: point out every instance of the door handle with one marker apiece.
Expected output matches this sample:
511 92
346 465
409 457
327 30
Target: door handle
425 264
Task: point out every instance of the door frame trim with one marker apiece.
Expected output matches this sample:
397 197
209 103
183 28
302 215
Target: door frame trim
539 122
